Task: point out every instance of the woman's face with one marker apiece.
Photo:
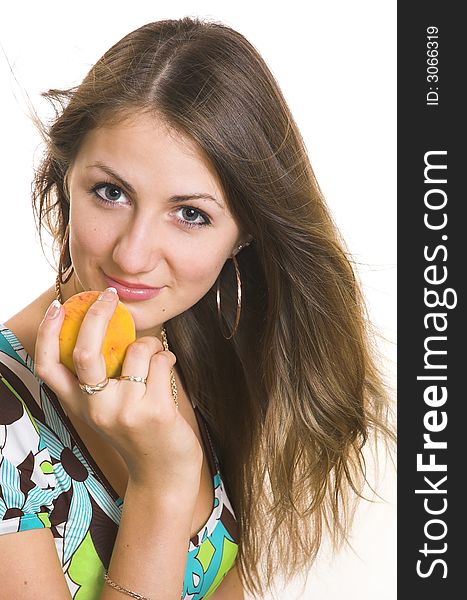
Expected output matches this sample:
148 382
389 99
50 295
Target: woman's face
144 234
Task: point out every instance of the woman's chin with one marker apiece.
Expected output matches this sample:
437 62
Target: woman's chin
143 325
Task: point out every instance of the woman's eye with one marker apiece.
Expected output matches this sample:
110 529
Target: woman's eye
191 217
108 193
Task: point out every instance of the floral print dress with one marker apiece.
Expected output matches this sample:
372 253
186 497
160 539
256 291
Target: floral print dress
48 479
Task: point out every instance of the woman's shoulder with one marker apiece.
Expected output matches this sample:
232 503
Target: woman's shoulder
25 323
19 385
26 475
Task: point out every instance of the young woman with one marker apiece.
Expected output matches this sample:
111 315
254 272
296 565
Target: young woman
176 181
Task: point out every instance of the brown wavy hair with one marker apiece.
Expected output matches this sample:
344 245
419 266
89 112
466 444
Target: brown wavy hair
293 397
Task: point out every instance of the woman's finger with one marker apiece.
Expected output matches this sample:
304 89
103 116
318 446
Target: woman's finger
158 386
87 356
47 363
138 355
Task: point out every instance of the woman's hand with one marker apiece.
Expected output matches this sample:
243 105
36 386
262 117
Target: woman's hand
139 420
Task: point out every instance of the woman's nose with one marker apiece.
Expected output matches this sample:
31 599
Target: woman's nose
138 249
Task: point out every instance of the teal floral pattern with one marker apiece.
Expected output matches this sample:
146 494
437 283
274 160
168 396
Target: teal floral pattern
48 479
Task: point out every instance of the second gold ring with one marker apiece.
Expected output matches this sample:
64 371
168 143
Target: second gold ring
133 378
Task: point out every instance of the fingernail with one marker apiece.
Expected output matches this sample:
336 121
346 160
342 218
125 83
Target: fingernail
53 310
108 294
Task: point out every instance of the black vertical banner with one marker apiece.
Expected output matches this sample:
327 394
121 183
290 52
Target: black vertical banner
432 332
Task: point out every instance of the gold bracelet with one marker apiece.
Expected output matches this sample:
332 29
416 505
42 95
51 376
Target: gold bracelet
119 588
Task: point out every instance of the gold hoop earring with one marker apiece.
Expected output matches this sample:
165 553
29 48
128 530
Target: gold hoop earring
62 254
239 302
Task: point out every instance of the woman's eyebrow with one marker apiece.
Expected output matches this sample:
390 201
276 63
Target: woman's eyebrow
125 184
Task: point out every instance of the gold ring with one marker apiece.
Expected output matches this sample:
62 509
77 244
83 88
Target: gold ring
93 389
133 378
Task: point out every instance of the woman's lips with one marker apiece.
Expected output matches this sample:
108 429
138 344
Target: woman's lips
127 292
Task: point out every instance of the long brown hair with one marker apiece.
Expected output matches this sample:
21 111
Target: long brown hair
292 398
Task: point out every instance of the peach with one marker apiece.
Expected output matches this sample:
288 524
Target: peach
119 335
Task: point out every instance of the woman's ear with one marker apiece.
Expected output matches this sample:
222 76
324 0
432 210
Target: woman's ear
242 245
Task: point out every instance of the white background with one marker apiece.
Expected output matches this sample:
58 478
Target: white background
336 64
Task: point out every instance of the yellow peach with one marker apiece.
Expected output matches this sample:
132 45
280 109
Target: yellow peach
120 332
